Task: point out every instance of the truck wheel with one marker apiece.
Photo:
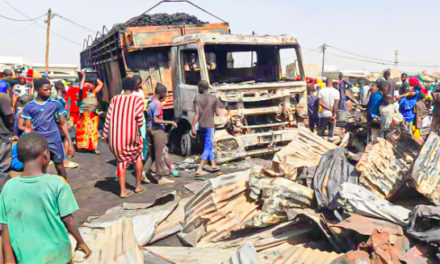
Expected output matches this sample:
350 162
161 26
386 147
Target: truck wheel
185 144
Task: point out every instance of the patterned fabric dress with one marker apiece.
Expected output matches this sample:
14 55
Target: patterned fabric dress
87 136
122 128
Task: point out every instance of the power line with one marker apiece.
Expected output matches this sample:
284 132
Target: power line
358 55
16 33
22 20
68 20
56 34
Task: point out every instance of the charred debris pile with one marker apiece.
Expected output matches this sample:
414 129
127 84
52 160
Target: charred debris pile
162 19
320 203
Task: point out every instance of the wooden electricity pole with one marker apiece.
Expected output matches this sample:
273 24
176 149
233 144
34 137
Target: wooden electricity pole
323 58
49 16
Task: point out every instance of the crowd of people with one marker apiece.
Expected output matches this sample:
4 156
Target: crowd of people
412 106
43 122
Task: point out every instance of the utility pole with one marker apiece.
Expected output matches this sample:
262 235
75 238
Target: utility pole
49 17
397 58
323 57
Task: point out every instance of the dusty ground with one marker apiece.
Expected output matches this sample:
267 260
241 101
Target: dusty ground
96 187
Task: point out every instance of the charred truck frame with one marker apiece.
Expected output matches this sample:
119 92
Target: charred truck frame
260 107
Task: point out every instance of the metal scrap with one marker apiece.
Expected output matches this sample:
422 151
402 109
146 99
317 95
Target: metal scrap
145 221
305 150
113 244
426 171
303 255
383 170
333 170
424 224
359 200
183 255
276 195
293 232
220 207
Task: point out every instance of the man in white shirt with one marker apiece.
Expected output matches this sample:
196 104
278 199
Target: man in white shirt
328 101
365 93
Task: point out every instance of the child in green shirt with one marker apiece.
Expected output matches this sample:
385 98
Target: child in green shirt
36 210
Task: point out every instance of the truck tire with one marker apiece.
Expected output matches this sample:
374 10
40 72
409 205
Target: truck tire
186 144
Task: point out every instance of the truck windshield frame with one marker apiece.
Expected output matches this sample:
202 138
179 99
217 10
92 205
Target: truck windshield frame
241 63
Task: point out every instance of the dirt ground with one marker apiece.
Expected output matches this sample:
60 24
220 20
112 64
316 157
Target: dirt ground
96 187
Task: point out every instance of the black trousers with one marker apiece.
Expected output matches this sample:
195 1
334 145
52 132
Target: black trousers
324 123
5 160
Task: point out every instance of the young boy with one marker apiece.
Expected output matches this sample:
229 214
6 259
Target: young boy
407 103
40 116
206 106
387 113
36 210
313 107
156 130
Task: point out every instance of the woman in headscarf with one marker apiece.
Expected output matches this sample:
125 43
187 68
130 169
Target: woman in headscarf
124 120
87 136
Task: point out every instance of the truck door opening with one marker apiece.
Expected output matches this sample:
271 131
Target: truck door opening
191 67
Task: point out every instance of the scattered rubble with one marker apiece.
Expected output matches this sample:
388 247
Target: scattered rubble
320 204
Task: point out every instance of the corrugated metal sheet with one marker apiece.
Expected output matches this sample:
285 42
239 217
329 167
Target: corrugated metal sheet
277 195
304 151
359 200
181 255
302 255
426 171
218 208
384 167
294 232
173 223
145 221
366 225
115 244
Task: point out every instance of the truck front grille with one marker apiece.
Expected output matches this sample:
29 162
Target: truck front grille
227 145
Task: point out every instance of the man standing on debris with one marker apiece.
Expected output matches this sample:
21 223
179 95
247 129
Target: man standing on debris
405 87
313 106
6 128
407 103
436 111
391 83
342 87
206 106
329 99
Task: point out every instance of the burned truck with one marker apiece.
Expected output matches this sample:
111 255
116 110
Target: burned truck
260 107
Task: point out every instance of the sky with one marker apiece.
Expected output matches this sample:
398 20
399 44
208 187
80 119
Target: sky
374 29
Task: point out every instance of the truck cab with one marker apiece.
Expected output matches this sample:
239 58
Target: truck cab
260 107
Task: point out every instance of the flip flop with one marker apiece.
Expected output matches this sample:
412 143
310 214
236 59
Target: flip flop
216 169
71 165
141 191
129 193
201 174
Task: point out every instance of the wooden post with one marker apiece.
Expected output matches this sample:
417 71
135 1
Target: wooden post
323 58
49 16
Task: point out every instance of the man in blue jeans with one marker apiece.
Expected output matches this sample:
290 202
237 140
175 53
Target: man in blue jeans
206 106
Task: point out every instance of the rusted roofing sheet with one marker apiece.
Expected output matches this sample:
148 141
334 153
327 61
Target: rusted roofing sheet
366 225
183 255
304 151
294 232
277 195
113 244
426 171
173 223
218 208
302 255
382 169
359 200
144 220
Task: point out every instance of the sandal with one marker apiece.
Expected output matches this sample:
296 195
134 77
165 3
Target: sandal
201 174
141 191
129 193
71 165
164 180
